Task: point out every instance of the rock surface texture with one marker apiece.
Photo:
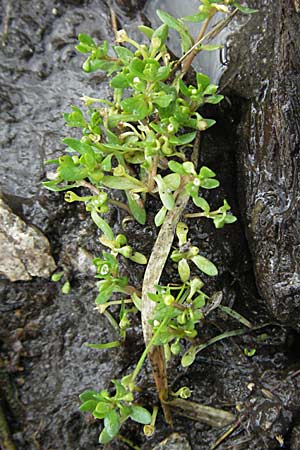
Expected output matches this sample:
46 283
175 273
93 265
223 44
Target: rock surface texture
266 74
24 250
254 148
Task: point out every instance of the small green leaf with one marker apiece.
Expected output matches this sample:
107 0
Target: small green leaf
172 181
102 225
176 167
160 216
112 424
163 100
139 258
137 301
76 145
183 139
57 276
115 182
165 17
138 212
205 172
205 265
196 18
167 200
112 344
202 81
140 415
147 31
89 406
245 9
201 203
210 47
209 183
66 288
86 39
104 437
124 54
184 270
214 99
120 81
87 395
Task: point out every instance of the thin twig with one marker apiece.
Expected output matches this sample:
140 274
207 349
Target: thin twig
226 434
189 59
210 35
113 17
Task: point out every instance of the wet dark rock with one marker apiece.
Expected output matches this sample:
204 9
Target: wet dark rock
43 333
265 76
295 438
24 250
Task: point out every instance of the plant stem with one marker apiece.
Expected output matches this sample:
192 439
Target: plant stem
189 59
152 276
210 35
96 191
148 348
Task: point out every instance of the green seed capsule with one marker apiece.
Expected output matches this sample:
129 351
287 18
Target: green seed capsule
176 348
168 299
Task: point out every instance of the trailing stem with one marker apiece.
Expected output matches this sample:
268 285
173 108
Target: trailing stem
157 261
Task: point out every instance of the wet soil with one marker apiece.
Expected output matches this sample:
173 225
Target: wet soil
45 363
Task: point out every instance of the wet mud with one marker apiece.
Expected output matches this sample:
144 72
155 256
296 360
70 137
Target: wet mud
254 149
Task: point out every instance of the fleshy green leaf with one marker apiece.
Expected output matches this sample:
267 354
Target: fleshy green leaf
184 270
102 225
209 183
124 54
201 203
87 395
176 167
183 139
196 18
139 258
104 437
138 212
140 415
205 265
147 31
89 406
245 9
172 181
205 172
86 39
160 216
76 145
112 424
167 200
112 344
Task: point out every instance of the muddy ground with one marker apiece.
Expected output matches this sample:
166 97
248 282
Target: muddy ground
254 148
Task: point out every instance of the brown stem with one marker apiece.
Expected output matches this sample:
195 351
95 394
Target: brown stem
153 173
152 276
189 59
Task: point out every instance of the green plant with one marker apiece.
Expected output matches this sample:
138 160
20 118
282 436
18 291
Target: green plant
140 143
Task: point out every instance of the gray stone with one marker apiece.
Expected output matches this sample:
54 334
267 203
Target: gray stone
24 250
175 441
